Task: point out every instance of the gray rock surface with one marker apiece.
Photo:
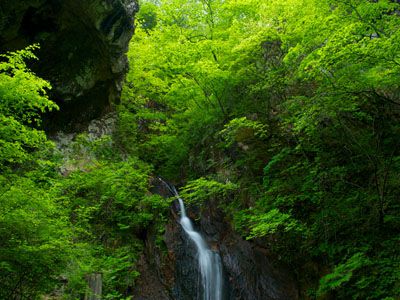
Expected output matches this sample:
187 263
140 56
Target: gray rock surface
253 274
83 46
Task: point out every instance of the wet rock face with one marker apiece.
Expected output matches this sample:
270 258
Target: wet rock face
253 275
186 267
148 285
83 46
250 273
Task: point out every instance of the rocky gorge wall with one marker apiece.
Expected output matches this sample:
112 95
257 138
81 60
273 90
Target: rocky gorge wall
83 46
250 273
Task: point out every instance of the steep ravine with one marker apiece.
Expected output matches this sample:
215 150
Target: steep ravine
172 272
249 272
83 46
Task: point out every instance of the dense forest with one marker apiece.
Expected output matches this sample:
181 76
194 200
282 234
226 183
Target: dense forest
284 114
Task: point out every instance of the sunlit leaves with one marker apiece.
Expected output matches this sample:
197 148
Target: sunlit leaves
35 238
270 222
23 97
202 189
242 129
22 93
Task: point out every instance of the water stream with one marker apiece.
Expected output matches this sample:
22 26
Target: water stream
209 261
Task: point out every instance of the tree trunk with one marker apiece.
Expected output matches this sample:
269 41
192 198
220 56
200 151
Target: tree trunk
95 287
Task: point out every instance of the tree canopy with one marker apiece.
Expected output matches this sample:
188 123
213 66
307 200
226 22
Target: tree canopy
297 104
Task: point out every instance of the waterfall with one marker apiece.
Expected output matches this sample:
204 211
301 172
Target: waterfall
209 261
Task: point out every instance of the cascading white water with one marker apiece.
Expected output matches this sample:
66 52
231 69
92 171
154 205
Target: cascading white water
209 261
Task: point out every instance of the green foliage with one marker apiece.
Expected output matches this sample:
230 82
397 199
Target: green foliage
110 208
199 190
241 130
147 16
35 239
23 94
183 70
35 244
23 97
271 222
57 230
117 270
111 200
342 273
296 103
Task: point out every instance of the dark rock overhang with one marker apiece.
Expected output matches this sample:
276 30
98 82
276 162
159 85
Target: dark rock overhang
83 45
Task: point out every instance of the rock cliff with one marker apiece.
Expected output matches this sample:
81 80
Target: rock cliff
83 46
